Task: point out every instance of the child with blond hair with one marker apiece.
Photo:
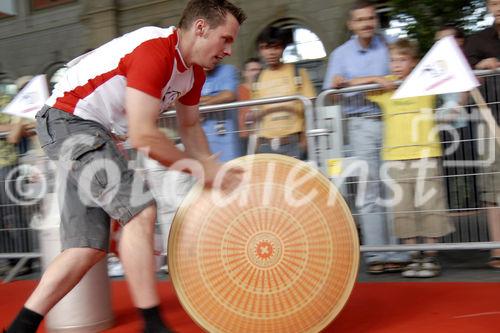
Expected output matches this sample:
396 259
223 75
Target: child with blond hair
412 153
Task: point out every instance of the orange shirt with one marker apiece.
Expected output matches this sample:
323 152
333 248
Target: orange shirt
244 94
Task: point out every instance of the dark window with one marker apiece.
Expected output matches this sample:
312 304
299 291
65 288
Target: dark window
42 4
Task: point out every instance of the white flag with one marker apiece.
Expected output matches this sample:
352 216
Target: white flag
443 70
8 7
30 99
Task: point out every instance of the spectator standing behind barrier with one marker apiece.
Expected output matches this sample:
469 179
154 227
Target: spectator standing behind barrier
365 54
144 72
221 86
250 72
483 52
412 150
483 48
451 30
280 126
13 223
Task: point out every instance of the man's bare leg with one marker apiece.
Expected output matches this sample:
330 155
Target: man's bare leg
137 256
62 275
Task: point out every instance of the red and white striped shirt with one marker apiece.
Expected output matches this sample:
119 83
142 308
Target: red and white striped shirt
147 59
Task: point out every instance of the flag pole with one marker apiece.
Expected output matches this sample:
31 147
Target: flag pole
486 113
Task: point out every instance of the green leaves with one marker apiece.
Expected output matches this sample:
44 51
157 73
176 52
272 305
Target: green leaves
425 17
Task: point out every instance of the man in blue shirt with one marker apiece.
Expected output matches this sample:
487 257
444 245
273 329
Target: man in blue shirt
221 86
365 54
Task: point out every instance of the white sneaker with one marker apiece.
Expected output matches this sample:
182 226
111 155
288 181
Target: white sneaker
411 270
431 264
430 267
422 268
427 273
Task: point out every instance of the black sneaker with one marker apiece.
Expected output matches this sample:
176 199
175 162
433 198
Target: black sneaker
163 329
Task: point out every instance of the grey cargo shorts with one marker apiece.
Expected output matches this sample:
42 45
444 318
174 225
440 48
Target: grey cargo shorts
94 179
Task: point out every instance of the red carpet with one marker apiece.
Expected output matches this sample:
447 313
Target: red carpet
373 307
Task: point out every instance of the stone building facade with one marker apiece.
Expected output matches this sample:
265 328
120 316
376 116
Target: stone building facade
43 35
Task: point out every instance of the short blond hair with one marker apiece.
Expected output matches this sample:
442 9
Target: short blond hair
405 47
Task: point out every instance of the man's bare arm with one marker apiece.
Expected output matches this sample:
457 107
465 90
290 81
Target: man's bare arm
195 141
488 63
225 96
385 83
142 112
192 134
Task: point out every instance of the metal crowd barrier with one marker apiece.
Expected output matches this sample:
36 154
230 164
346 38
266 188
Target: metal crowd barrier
327 148
18 240
223 134
333 155
222 118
